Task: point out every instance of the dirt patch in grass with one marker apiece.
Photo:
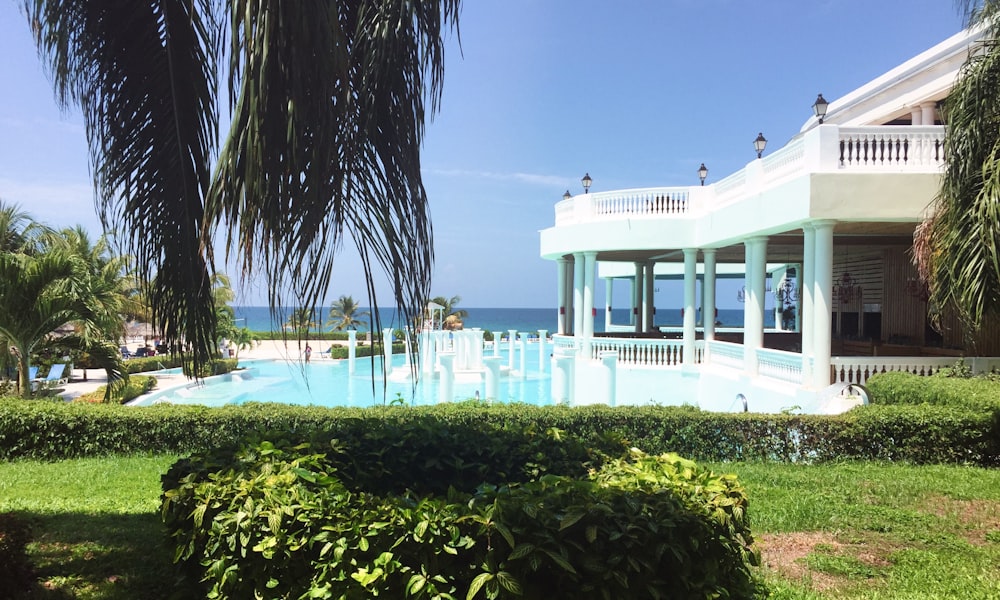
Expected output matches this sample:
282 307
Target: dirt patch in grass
978 518
786 554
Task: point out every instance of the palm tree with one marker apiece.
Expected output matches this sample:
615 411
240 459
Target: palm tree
328 108
958 250
42 293
345 315
301 320
452 315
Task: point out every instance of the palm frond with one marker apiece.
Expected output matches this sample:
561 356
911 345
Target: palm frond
144 76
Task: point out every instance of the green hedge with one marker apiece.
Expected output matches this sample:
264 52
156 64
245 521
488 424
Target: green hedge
918 434
422 507
137 385
903 388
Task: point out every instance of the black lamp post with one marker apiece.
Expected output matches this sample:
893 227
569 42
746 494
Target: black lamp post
759 144
586 181
567 195
702 173
819 107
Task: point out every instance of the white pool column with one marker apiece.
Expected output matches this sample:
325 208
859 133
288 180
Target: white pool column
387 350
446 386
352 351
690 310
477 349
578 276
753 320
492 373
511 340
523 346
589 275
497 336
562 376
609 367
542 334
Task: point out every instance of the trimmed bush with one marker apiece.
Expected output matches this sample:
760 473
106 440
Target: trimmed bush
918 434
977 393
16 574
534 515
137 386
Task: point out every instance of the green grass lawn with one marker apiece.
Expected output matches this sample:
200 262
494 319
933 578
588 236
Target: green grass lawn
853 530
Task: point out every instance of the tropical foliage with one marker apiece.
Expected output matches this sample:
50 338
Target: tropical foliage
301 321
958 250
53 281
452 317
346 314
327 105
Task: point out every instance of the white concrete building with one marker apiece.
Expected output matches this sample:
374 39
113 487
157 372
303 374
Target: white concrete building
826 221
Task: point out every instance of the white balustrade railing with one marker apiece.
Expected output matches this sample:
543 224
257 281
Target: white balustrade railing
726 354
564 343
885 148
779 364
642 352
857 369
897 147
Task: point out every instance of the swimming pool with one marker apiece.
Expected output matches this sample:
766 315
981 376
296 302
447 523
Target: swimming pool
329 383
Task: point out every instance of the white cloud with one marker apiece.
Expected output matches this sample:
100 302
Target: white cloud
528 178
54 204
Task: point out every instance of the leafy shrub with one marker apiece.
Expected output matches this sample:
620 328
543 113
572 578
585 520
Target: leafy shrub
945 389
290 519
917 434
137 385
16 573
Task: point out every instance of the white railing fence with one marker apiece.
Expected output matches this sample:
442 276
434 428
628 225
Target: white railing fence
726 354
645 352
857 369
779 364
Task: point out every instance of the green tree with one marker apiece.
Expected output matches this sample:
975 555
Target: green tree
958 250
41 293
452 316
327 104
346 314
301 320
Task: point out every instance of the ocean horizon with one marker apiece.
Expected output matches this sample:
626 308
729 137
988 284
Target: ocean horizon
258 318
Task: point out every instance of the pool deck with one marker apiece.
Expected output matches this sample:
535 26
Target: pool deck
267 349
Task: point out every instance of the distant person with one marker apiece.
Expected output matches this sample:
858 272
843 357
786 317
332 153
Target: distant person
309 352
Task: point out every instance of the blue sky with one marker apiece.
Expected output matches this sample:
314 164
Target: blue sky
636 93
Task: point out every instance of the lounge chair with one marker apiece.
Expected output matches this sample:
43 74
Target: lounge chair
125 352
55 378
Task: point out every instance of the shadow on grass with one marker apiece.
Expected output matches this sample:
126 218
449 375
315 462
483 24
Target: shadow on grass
100 556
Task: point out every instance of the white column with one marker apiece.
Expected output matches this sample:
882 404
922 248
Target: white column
497 336
446 387
578 284
562 266
916 115
609 286
562 376
690 309
589 274
637 300
524 354
511 337
352 351
806 283
542 334
928 111
822 293
492 364
387 350
708 295
753 326
648 300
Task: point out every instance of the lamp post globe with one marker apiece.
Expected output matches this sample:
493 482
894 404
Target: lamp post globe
586 181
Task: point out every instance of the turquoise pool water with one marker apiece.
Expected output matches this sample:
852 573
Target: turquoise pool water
328 383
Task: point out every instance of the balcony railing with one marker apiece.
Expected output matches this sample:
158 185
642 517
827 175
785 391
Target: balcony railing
825 149
638 352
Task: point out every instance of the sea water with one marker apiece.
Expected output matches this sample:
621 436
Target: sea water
258 318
